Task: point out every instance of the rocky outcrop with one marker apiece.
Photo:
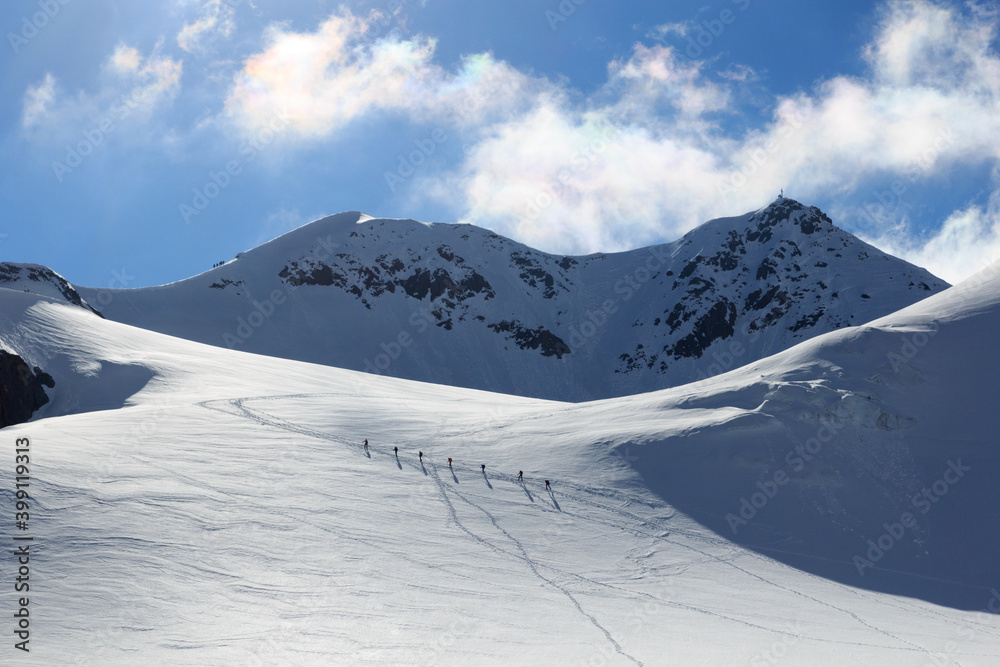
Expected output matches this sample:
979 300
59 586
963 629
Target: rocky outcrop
21 392
534 339
41 280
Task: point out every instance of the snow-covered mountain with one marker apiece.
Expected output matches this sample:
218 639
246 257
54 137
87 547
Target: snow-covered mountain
41 280
831 504
460 305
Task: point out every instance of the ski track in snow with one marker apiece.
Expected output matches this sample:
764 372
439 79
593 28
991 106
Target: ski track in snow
902 604
524 556
535 565
736 553
630 522
273 422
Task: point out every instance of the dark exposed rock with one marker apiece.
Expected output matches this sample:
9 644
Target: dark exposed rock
726 261
809 225
734 242
309 273
424 283
718 322
9 272
371 279
550 344
519 259
807 321
677 316
633 363
770 217
767 268
226 282
21 392
535 276
699 286
449 255
384 276
772 316
566 263
689 269
393 267
757 301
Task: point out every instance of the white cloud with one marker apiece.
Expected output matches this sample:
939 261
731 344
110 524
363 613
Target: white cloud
125 59
579 182
217 17
968 241
142 84
37 101
661 32
325 79
641 161
930 102
131 85
653 76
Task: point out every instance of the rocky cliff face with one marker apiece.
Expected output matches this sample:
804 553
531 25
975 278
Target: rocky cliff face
21 392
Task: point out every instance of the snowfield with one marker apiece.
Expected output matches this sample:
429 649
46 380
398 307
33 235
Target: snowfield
194 505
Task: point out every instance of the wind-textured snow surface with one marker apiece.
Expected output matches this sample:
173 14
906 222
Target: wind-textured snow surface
462 306
217 507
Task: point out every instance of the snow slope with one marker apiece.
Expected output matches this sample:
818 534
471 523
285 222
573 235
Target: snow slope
867 455
459 305
216 507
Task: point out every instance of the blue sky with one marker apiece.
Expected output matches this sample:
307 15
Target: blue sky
144 142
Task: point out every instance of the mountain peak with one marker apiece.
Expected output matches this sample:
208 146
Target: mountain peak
788 212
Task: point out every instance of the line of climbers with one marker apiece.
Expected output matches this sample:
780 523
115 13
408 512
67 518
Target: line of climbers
420 455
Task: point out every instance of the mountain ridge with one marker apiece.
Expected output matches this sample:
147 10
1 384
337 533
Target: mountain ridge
462 305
